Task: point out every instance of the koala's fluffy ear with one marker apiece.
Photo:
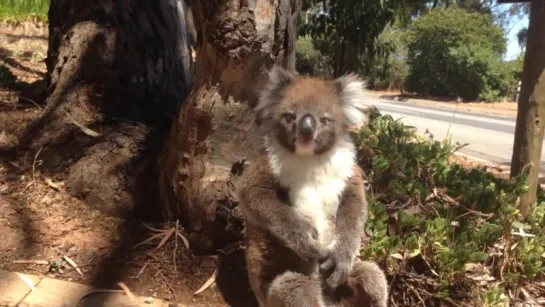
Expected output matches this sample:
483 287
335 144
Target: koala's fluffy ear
352 96
271 93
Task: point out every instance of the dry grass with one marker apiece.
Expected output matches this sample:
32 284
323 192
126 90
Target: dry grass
25 41
21 9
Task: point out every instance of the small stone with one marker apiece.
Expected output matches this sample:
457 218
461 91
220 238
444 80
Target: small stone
149 300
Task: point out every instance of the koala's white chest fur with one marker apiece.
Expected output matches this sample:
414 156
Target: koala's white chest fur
315 184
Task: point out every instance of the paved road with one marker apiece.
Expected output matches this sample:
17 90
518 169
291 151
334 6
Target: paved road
490 137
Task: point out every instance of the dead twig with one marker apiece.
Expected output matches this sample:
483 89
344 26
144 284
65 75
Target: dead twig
418 296
41 262
32 101
142 269
175 248
166 281
34 166
208 283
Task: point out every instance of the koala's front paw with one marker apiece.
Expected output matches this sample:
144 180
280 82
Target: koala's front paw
311 249
335 268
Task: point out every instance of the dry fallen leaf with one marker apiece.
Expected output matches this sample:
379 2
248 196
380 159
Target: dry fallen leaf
482 278
514 246
168 234
54 185
27 281
165 234
397 256
73 264
184 239
85 130
208 283
127 291
157 235
153 229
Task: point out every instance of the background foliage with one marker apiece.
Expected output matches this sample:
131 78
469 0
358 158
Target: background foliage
456 53
446 231
450 48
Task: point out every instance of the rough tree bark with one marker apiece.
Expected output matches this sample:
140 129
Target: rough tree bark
238 41
120 68
529 130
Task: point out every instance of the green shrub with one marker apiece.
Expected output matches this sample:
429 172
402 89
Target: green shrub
440 228
389 68
455 53
311 61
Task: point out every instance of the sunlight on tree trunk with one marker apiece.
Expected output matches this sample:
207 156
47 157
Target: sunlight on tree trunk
529 131
237 43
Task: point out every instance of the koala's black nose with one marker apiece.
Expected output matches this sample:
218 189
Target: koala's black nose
307 127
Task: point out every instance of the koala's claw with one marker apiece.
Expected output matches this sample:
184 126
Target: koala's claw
326 266
335 269
338 277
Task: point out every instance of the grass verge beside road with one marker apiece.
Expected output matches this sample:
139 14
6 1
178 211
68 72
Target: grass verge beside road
508 108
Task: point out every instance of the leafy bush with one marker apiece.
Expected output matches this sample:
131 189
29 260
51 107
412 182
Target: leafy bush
515 67
311 61
455 53
444 232
389 68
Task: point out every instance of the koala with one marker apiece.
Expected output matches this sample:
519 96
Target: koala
303 198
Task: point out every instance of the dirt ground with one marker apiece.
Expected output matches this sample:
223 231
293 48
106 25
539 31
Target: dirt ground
43 228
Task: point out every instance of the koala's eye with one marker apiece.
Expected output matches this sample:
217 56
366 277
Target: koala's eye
325 120
288 117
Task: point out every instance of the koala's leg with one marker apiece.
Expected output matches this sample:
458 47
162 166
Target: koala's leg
294 290
368 286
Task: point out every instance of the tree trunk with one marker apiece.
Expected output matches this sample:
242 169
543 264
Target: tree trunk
238 41
529 130
119 68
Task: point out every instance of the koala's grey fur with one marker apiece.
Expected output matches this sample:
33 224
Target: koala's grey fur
304 201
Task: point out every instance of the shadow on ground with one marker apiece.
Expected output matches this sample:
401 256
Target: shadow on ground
233 281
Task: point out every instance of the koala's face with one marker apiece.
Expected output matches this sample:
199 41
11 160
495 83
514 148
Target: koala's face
307 116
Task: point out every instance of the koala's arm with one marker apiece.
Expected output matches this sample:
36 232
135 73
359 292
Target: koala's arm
352 214
263 207
351 217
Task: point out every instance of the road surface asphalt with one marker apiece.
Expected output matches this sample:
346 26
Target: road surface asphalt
490 137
